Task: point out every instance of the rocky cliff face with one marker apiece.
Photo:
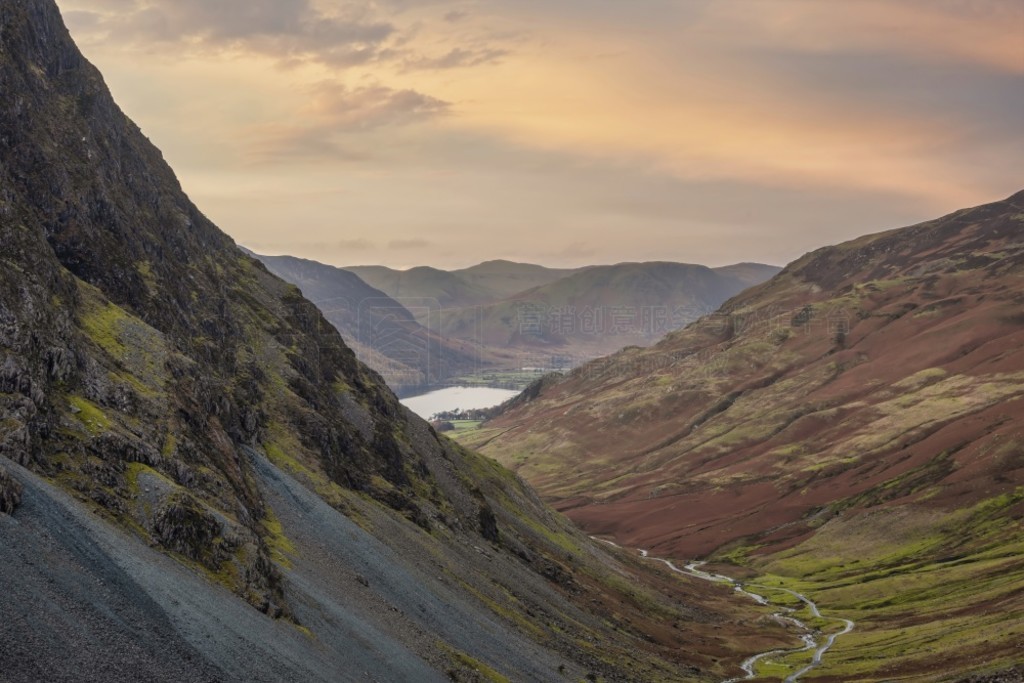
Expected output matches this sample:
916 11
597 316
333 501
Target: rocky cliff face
192 435
136 334
10 493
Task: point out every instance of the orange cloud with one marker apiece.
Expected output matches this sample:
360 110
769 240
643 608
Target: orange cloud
533 118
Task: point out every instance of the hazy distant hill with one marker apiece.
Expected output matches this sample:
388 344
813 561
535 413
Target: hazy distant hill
501 279
382 332
426 326
480 284
571 314
601 308
423 286
749 274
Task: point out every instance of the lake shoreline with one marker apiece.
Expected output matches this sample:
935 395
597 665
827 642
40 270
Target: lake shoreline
456 398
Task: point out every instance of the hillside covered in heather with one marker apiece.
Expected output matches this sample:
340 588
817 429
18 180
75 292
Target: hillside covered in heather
854 427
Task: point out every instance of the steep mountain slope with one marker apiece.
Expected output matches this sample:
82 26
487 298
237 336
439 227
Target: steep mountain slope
382 332
206 485
852 428
600 309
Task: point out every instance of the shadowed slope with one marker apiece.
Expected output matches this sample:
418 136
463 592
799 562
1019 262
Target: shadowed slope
383 333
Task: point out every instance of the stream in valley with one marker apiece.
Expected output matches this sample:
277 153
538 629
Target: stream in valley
812 638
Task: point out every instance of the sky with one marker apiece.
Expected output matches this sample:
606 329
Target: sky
568 132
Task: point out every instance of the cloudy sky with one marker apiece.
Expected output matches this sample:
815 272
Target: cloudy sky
568 132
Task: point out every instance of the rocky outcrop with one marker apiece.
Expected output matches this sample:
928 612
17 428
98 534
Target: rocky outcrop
133 331
10 493
182 526
489 524
1014 675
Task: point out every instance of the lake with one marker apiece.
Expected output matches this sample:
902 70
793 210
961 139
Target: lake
452 398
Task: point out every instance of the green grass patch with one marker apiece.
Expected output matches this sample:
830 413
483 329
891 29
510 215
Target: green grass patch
304 630
139 350
90 415
102 321
461 659
772 668
512 613
503 379
929 590
281 547
464 426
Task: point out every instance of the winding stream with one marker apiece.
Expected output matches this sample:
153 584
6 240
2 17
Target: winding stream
809 637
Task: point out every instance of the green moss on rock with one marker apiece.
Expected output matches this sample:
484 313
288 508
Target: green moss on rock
90 415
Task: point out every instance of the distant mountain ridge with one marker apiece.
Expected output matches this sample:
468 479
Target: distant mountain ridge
440 287
602 307
568 314
501 278
503 316
749 273
496 280
383 333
